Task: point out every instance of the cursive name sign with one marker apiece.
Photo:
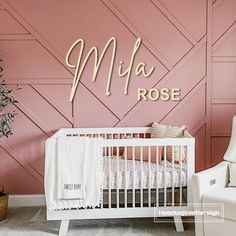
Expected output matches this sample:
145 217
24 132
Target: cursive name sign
141 69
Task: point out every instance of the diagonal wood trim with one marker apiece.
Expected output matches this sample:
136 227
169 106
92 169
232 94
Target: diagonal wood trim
18 21
224 36
7 148
33 118
16 37
217 3
183 61
158 55
174 21
185 99
47 46
198 126
37 89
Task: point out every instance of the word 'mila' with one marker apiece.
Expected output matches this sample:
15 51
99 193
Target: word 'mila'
79 66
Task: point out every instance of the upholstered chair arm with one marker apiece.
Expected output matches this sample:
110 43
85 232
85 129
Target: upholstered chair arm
215 177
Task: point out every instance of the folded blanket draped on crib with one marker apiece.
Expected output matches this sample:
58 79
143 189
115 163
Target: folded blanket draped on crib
73 172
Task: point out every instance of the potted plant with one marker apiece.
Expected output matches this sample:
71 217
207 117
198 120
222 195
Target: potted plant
6 119
3 204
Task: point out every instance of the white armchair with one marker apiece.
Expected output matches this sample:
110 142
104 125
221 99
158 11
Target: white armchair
211 187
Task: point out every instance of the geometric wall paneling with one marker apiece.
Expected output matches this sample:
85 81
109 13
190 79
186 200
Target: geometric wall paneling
191 110
223 76
8 25
184 76
58 96
154 19
222 118
228 46
224 37
119 15
218 149
200 144
223 80
89 112
28 140
174 40
223 17
6 145
29 59
40 109
190 14
76 25
17 179
168 13
125 43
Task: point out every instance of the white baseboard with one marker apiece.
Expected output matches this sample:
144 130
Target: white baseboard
26 200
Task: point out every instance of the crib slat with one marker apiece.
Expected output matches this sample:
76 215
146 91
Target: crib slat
157 171
109 178
125 192
111 137
149 176
133 158
180 181
165 176
141 177
106 150
117 177
173 187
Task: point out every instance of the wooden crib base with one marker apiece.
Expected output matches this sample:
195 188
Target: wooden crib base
66 215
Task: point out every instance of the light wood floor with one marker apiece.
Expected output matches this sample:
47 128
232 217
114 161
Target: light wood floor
22 222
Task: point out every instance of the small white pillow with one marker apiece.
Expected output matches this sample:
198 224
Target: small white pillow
167 131
232 175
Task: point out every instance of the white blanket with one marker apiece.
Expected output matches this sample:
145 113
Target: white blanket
73 172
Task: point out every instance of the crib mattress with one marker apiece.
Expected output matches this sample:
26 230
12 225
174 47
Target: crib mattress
160 178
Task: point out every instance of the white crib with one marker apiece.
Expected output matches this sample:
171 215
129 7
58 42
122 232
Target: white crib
136 188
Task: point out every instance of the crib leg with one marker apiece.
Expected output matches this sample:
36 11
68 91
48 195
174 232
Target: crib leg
178 224
64 227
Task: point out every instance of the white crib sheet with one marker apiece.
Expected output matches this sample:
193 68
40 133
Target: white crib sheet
136 180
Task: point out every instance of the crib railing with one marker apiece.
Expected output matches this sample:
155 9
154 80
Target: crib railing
116 139
158 191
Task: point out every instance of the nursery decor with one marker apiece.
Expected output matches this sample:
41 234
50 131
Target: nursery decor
6 99
130 187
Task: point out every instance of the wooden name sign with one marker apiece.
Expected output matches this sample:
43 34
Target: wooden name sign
141 69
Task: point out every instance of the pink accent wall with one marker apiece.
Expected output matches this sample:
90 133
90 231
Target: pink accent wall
190 42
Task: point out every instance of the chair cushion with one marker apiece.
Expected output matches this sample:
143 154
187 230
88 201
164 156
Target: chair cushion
230 154
232 175
224 196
